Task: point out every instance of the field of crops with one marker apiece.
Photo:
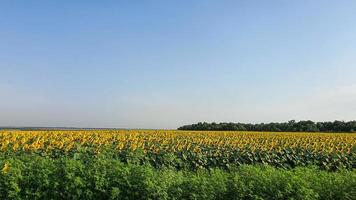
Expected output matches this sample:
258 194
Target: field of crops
162 164
192 149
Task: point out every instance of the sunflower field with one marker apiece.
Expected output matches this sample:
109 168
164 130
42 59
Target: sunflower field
191 149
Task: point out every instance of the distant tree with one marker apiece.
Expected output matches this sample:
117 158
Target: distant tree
292 125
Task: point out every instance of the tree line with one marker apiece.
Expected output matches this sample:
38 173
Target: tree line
290 126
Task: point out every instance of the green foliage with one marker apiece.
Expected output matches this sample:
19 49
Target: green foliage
105 177
287 158
270 183
291 126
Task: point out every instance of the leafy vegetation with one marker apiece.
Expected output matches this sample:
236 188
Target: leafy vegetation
84 176
291 126
146 164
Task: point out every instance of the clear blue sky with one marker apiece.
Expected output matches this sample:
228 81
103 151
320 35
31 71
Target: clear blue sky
162 64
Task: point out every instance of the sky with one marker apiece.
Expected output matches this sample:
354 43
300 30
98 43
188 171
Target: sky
163 64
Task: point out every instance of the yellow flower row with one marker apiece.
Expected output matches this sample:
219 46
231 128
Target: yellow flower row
170 140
